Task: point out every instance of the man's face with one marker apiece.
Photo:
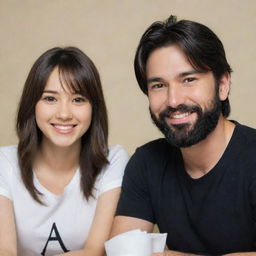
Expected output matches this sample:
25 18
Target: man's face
184 103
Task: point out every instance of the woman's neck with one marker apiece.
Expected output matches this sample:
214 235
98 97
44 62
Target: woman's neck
58 159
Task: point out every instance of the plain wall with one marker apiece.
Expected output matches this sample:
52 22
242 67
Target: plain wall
108 31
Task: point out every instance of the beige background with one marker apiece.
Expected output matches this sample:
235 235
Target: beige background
109 31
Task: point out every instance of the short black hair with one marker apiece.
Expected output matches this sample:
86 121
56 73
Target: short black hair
203 48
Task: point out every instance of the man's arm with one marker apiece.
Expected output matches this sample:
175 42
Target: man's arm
175 253
123 224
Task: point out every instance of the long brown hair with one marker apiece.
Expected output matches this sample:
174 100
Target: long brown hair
80 74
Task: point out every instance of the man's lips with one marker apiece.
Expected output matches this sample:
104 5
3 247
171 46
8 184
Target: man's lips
179 118
180 115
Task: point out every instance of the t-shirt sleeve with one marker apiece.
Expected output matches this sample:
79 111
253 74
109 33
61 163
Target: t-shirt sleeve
135 200
113 173
5 172
252 190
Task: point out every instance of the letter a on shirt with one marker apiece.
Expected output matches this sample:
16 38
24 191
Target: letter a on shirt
55 237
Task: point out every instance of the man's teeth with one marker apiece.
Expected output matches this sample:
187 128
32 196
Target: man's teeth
63 127
177 116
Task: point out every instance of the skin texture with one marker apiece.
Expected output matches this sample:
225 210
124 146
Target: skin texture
172 87
58 107
63 117
173 81
8 243
101 226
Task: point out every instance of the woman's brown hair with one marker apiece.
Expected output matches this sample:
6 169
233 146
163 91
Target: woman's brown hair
79 73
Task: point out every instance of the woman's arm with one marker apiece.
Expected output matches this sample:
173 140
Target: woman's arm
102 222
101 226
8 243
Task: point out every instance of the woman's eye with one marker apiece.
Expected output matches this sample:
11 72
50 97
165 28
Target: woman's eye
79 99
49 98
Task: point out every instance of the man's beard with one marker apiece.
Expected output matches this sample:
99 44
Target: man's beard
186 134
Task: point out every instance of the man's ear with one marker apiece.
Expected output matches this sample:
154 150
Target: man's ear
224 86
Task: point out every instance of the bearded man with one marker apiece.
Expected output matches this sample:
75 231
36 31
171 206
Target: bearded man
198 183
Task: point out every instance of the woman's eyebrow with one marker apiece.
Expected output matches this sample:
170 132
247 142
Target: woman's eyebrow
50 91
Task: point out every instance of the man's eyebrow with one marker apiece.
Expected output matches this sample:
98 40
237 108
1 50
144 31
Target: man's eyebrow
190 72
182 74
155 79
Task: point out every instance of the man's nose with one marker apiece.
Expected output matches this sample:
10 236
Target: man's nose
175 96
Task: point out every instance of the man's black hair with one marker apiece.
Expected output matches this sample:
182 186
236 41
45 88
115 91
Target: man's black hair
203 48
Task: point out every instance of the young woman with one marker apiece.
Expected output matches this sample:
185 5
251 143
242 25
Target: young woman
59 187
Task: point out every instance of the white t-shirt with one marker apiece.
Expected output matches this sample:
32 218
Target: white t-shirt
64 223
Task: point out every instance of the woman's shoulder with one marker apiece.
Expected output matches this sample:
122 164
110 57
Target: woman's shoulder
117 153
117 160
112 174
8 155
9 165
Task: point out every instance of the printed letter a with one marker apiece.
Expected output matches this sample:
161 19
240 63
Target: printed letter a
54 238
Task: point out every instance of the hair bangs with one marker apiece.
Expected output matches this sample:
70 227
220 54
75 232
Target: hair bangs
72 78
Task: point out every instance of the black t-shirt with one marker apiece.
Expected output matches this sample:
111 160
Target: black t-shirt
214 214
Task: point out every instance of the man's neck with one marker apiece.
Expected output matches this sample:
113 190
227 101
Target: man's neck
200 158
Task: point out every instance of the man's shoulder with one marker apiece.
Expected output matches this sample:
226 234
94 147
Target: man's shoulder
150 160
243 145
155 146
246 134
155 150
246 128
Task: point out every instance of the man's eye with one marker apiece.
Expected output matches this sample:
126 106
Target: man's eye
189 79
79 99
157 86
49 99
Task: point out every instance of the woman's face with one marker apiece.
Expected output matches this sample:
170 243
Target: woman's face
62 116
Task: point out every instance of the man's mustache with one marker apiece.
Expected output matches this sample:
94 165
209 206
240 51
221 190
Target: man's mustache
182 108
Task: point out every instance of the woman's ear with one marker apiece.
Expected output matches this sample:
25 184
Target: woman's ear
224 86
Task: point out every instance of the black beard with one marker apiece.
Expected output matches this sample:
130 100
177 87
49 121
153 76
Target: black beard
185 135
